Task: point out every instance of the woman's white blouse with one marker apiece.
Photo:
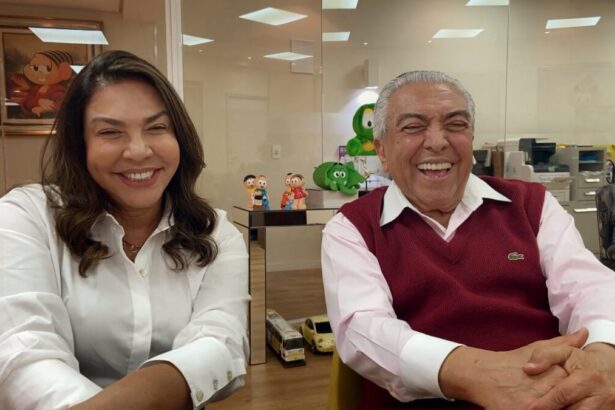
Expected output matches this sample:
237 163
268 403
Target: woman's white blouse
64 337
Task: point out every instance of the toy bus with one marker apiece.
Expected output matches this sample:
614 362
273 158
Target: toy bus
286 341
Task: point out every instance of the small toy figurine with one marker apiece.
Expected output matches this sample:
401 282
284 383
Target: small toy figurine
298 193
261 199
248 182
336 176
362 124
287 198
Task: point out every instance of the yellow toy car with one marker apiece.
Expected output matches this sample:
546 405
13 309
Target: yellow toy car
317 333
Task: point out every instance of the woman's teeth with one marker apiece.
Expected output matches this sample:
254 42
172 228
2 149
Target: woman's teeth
139 176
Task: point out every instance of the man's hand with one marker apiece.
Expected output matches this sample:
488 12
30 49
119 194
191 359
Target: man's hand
590 383
495 380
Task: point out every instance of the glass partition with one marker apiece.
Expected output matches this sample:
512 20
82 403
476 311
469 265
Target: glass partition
257 113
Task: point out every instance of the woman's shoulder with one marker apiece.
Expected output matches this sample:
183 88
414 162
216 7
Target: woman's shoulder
32 193
224 227
24 203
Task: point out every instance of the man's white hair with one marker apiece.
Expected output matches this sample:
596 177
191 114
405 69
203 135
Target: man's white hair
413 77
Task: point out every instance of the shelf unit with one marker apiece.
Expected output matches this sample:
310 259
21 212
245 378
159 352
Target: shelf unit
588 171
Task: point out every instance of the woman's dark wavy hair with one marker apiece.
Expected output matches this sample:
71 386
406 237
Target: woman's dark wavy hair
78 200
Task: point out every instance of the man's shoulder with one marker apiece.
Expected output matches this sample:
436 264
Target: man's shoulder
366 202
511 187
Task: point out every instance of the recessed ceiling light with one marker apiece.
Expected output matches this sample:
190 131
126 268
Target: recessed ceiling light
62 35
568 23
288 56
77 68
457 33
339 4
336 36
189 40
365 43
273 16
487 3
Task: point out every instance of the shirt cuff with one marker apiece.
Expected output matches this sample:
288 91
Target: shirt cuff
421 359
601 330
207 367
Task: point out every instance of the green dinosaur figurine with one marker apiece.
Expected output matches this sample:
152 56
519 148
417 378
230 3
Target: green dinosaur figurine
335 176
362 124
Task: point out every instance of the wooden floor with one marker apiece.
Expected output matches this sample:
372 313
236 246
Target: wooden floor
270 386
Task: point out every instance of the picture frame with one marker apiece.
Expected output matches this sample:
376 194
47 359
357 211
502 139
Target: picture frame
34 75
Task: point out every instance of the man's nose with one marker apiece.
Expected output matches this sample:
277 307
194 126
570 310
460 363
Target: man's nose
138 147
436 138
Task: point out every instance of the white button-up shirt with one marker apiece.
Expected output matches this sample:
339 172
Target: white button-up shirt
64 337
387 351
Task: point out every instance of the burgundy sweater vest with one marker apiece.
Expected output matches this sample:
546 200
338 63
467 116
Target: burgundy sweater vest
485 288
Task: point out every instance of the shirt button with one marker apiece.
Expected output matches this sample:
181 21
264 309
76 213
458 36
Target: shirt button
199 395
141 272
215 384
229 375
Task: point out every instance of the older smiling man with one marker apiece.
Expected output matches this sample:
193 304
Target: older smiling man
446 286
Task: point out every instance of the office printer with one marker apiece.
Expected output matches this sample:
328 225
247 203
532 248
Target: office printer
533 162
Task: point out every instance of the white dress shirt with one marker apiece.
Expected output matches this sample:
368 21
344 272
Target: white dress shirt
64 337
387 351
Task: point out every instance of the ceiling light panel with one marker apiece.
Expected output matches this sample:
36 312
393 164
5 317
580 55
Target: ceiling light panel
273 16
457 33
61 35
336 36
288 56
487 3
189 40
575 22
339 4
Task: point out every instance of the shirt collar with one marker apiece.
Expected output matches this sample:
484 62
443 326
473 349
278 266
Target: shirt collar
475 192
166 221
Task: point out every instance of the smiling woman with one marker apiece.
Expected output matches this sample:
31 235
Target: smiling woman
124 288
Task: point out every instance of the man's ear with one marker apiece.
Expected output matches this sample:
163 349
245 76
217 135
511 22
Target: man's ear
379 147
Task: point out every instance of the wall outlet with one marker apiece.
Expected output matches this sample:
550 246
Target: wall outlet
276 151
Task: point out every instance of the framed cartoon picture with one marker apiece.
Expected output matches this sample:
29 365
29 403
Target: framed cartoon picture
34 75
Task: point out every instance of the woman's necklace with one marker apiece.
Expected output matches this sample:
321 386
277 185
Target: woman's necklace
129 247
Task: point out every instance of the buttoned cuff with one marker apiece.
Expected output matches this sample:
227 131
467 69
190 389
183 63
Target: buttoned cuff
207 367
601 330
421 359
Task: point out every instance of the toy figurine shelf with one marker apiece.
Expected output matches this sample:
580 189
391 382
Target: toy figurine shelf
254 224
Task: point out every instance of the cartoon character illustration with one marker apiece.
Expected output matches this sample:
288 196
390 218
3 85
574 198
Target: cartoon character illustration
362 124
40 88
298 193
261 199
249 182
336 176
287 198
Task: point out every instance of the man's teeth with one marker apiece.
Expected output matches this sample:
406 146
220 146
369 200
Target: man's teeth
435 166
139 176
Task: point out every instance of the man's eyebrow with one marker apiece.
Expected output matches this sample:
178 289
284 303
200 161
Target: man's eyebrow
405 116
464 113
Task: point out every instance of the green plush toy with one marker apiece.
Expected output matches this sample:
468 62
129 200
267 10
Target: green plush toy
363 124
335 176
